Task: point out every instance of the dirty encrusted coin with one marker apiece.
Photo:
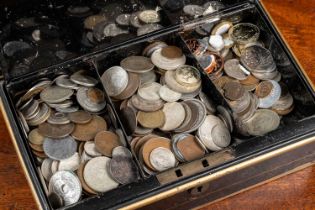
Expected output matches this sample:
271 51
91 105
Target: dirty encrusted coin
162 159
55 130
123 169
115 80
55 94
60 149
244 33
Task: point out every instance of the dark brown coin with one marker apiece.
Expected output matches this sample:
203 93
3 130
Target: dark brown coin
55 200
128 118
123 170
86 132
95 95
171 52
263 89
106 141
55 131
80 117
233 91
190 148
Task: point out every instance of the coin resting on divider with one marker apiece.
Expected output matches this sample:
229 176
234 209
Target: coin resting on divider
106 141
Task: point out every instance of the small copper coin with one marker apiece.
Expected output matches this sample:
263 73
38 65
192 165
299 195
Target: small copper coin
95 95
263 89
106 141
190 148
35 137
172 52
233 91
55 131
86 132
151 119
80 117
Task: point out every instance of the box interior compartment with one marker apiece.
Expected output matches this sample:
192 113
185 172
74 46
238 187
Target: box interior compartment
296 125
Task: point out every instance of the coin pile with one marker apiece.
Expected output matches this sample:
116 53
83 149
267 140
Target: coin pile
175 106
248 79
193 10
76 147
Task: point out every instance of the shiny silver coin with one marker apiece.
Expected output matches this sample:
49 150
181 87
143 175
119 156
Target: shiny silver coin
67 109
66 83
186 96
207 102
41 116
55 94
83 80
123 19
162 159
115 80
86 104
30 109
58 118
137 64
60 149
244 33
193 10
168 94
135 21
121 151
148 28
149 16
112 30
123 170
65 104
67 185
272 98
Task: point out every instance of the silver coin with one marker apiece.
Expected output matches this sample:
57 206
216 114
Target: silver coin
174 116
46 168
87 104
66 83
186 96
115 80
272 98
168 94
162 159
34 91
233 69
112 30
58 118
123 19
29 111
134 20
70 164
221 136
146 106
83 80
55 94
67 185
148 28
149 16
121 151
175 140
148 77
193 10
90 149
65 104
227 117
67 109
244 33
41 116
207 102
123 170
188 117
60 149
150 91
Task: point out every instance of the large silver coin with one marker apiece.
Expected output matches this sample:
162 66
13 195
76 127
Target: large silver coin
174 116
168 94
221 136
162 159
67 185
60 149
55 94
115 80
123 169
83 80
70 164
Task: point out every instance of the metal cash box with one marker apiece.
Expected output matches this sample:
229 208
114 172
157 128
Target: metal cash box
191 184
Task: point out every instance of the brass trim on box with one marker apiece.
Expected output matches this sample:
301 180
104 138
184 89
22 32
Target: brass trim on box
13 139
288 46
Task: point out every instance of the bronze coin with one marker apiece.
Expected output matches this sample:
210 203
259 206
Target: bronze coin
151 119
150 145
233 91
250 80
87 132
81 178
133 143
106 141
35 137
95 95
80 117
172 52
190 148
38 148
263 89
55 131
141 141
132 87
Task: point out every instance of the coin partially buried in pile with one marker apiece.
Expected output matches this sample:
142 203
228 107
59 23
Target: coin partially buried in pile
69 135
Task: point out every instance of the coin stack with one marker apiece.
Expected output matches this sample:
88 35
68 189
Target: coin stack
164 116
249 80
72 141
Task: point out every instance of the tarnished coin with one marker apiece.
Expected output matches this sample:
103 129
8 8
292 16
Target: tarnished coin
60 149
39 87
151 119
137 64
171 52
35 137
91 150
112 30
233 91
121 151
84 80
166 63
91 99
80 117
172 83
55 131
169 95
174 116
106 141
58 118
148 28
70 164
55 94
263 89
187 75
67 109
66 83
123 170
86 132
150 91
41 116
162 159
96 175
123 19
91 21
46 168
115 80
149 16
233 69
146 106
67 185
193 10
132 87
244 33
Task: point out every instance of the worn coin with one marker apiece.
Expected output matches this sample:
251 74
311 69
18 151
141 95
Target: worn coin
81 177
168 94
35 137
123 170
67 185
46 168
162 159
151 119
188 75
233 69
66 83
106 141
115 80
132 87
134 20
80 117
148 77
172 83
221 136
90 149
233 91
86 132
30 109
70 164
146 106
137 64
55 94
263 89
58 118
123 19
149 16
244 33
207 102
91 21
96 175
91 99
55 130
174 116
60 149
171 52
84 80
121 151
41 116
150 91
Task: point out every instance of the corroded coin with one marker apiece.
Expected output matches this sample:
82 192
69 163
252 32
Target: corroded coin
123 169
35 137
55 94
60 149
55 130
106 141
174 116
151 119
162 159
96 175
82 79
115 80
67 185
137 64
80 117
244 33
58 118
86 132
233 91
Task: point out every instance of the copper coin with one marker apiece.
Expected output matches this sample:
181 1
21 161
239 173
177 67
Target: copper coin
80 117
222 81
233 91
132 87
95 95
190 148
141 141
86 132
55 131
172 52
284 112
151 119
150 145
250 80
84 185
106 141
264 89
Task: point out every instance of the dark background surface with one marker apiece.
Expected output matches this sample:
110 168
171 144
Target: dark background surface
295 20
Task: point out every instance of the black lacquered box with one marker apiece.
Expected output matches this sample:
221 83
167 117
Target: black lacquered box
244 164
